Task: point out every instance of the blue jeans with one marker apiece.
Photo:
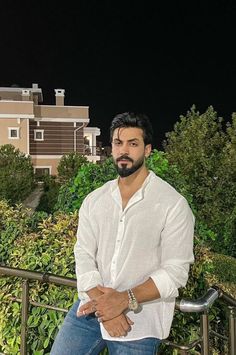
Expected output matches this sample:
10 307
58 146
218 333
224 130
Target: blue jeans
82 336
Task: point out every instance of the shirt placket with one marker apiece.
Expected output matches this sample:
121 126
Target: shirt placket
119 237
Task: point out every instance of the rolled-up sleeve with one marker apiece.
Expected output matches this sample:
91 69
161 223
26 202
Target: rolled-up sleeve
176 250
85 250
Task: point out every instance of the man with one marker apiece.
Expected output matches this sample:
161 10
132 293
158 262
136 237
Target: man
134 248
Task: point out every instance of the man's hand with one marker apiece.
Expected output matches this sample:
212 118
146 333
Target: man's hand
107 306
118 326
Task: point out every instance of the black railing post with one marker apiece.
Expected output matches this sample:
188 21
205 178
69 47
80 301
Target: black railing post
24 316
204 327
232 331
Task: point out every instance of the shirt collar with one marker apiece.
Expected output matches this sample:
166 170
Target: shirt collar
115 191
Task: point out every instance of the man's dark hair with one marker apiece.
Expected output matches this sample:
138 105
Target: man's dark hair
130 119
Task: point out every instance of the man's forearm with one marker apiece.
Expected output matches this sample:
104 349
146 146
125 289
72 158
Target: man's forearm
146 291
112 303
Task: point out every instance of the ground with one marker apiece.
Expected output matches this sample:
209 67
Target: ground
32 200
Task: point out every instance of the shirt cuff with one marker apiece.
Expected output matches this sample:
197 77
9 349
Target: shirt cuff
164 284
87 281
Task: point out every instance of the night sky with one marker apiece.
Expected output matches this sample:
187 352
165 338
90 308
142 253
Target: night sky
115 56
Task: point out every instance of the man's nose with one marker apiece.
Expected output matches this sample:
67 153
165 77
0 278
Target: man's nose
124 149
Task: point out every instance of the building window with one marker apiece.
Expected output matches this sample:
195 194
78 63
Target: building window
13 132
43 171
38 134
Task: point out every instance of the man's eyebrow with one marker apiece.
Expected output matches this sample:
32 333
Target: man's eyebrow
133 139
129 140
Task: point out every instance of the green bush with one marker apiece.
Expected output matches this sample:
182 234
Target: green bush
48 250
69 165
49 197
204 151
14 222
16 174
89 177
159 164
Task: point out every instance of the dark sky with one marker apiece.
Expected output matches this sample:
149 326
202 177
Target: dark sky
115 56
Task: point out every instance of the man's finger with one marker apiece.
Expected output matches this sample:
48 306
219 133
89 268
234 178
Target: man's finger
83 313
130 322
85 306
125 325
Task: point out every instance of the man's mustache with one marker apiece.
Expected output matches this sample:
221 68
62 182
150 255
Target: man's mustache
124 157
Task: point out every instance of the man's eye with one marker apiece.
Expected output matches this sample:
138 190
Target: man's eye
133 144
117 143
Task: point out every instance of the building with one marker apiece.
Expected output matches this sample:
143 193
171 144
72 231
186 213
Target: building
45 132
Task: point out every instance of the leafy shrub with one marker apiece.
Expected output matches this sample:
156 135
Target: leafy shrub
50 250
89 177
16 174
204 153
159 164
14 222
69 165
49 197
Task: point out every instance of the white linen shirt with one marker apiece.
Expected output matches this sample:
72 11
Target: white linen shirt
151 238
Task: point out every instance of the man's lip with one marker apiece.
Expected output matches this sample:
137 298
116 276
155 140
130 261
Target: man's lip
124 161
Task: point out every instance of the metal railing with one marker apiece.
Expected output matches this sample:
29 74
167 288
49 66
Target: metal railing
201 305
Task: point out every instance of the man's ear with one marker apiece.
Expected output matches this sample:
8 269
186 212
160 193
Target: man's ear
148 149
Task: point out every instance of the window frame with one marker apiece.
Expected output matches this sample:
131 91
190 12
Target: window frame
17 129
37 131
38 167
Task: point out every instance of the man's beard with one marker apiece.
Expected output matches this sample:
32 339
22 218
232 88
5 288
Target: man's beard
123 171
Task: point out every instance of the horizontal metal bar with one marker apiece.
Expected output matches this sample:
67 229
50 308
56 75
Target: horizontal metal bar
37 304
215 334
183 347
38 276
227 298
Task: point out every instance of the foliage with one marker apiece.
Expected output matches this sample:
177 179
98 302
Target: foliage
16 174
13 223
69 165
89 177
224 275
204 153
50 250
159 164
49 197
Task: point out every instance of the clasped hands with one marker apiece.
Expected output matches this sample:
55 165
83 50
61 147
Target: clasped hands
109 308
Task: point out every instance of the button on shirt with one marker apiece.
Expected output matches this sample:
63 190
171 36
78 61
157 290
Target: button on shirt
151 238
